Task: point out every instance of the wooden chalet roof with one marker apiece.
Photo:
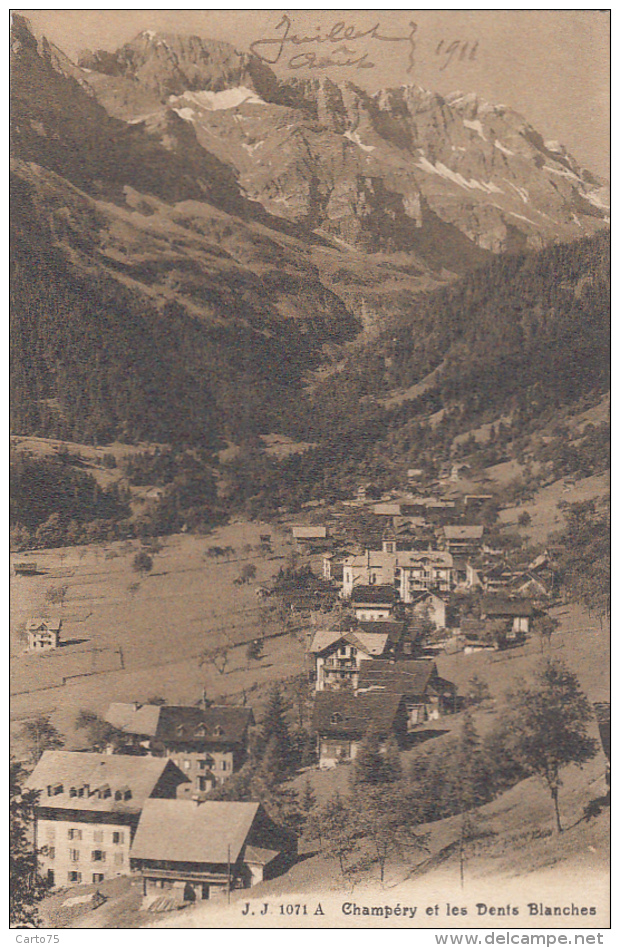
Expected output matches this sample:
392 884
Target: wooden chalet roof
63 771
43 624
414 677
337 712
373 595
309 532
389 627
223 724
372 643
462 531
188 831
506 607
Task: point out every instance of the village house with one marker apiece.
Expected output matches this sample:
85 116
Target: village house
341 720
418 571
43 634
190 850
339 655
517 614
414 474
496 577
309 536
462 539
439 511
373 602
476 501
332 568
390 508
427 696
372 568
430 606
531 586
208 744
88 811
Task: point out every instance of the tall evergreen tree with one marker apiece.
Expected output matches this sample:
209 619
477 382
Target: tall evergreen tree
26 888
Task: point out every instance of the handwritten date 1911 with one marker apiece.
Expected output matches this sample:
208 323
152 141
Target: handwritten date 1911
456 51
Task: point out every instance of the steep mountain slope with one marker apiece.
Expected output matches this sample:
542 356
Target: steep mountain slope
192 235
377 171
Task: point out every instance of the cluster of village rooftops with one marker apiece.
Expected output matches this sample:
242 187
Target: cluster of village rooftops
142 806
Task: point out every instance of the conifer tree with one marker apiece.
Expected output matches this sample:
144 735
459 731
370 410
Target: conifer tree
545 727
26 888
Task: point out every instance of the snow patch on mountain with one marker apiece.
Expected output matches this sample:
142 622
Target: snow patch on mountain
522 218
476 126
503 148
226 99
522 192
594 198
564 172
469 183
354 137
252 148
187 114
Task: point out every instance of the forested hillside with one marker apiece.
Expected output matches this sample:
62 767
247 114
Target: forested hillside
511 343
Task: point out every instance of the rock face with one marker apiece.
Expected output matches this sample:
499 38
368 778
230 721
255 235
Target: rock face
370 170
435 183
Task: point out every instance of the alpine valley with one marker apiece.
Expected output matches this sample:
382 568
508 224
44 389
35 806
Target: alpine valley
201 249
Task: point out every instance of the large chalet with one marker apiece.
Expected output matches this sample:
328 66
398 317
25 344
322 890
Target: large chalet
208 744
88 811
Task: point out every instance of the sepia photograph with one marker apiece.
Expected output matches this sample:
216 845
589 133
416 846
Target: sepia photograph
310 471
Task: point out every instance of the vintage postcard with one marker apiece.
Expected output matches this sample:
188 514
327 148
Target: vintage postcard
310 552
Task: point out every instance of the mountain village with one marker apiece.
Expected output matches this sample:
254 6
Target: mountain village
310 448
374 620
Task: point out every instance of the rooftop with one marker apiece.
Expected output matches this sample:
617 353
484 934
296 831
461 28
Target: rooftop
52 625
309 532
108 782
461 531
373 595
223 724
507 607
340 712
417 558
188 831
405 677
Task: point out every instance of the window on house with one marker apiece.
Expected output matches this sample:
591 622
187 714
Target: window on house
224 765
74 876
217 730
98 836
118 837
336 718
119 859
74 834
74 855
97 855
97 877
51 876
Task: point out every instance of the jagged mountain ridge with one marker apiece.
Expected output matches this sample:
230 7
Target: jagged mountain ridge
178 217
371 170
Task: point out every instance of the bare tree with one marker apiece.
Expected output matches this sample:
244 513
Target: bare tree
217 657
